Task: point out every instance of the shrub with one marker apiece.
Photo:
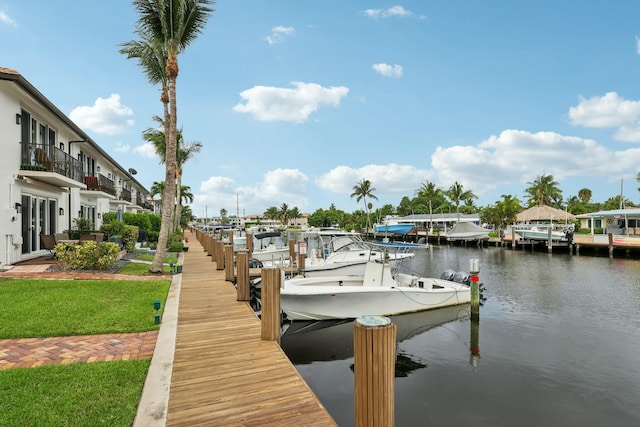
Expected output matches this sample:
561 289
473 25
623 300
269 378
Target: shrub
88 255
175 247
129 237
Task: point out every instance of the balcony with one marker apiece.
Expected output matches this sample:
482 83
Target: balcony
125 195
49 164
100 182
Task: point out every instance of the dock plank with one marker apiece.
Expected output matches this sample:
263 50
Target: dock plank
223 373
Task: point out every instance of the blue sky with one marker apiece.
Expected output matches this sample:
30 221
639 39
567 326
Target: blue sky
296 101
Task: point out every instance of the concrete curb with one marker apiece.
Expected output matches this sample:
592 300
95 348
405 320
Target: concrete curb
154 402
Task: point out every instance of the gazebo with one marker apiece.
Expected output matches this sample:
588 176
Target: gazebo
543 214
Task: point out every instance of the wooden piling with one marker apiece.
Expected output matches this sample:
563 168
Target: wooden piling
242 285
219 255
270 319
228 263
474 278
610 245
292 249
249 243
301 261
374 348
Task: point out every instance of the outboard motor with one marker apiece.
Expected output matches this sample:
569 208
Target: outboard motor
462 277
255 263
448 275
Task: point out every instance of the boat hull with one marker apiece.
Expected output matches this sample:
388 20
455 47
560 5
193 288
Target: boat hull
345 297
394 228
540 235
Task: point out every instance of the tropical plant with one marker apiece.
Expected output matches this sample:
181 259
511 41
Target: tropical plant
429 191
166 28
361 191
184 152
457 194
543 191
284 213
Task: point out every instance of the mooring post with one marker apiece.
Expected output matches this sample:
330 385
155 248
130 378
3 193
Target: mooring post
242 283
374 351
610 245
219 255
549 241
214 245
249 243
228 263
474 278
270 319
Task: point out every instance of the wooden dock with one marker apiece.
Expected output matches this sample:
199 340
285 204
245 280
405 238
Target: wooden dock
223 373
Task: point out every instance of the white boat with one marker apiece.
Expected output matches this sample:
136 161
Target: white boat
378 292
466 231
348 255
271 252
541 233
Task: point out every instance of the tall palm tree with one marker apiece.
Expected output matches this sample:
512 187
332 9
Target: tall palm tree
543 191
429 191
168 27
361 191
457 194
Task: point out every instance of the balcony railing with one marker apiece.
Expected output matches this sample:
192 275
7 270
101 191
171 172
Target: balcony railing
48 158
100 182
125 195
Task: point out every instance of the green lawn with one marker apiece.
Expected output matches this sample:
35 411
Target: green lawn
79 394
49 308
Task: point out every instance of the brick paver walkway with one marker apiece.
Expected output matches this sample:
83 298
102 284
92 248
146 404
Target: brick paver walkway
31 352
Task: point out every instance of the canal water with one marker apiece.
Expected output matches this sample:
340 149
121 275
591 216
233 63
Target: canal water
558 339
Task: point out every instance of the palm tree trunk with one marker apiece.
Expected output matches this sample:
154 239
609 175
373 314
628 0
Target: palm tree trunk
178 214
169 188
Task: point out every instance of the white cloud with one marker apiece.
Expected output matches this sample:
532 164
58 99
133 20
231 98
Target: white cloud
269 104
638 45
386 179
146 150
122 147
107 116
388 70
396 10
7 20
609 111
516 157
279 33
279 186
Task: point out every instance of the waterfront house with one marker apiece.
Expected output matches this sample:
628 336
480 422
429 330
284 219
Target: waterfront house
55 173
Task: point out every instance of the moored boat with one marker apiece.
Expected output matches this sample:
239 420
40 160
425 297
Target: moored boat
378 292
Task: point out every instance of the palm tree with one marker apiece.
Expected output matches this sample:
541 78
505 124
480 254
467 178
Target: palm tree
157 189
294 214
184 152
543 191
167 27
429 191
284 214
457 194
361 191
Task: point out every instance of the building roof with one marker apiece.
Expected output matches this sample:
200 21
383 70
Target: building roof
629 212
439 217
544 213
